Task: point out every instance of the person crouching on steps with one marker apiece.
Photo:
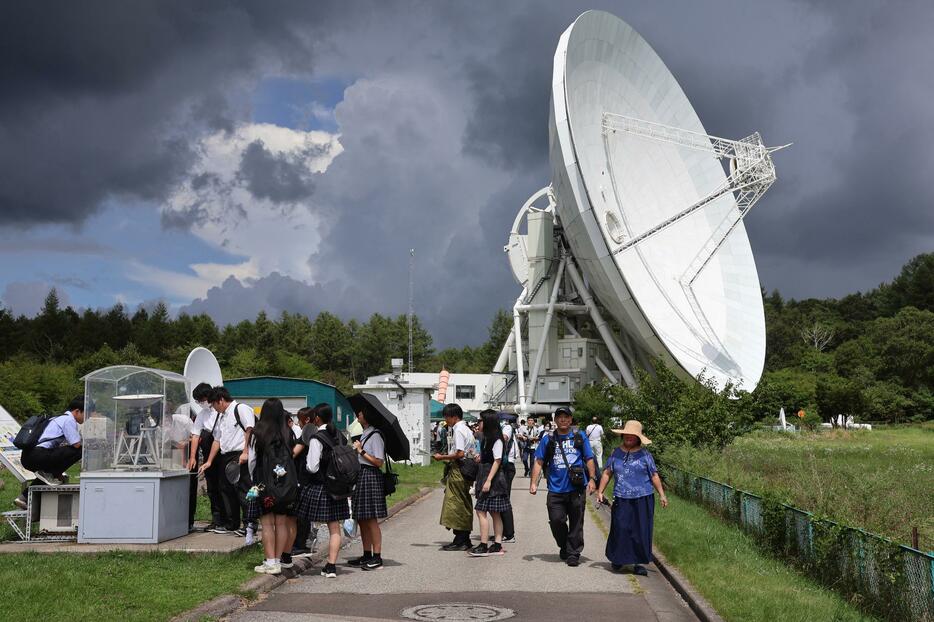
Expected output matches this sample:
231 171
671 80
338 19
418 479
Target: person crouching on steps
492 497
630 540
273 441
317 505
369 497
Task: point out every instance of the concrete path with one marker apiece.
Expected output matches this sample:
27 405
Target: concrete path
421 582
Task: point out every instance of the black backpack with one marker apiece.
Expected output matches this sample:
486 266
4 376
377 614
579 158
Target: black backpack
342 467
28 436
552 446
282 488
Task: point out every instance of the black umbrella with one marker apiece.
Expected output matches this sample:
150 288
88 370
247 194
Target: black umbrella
378 416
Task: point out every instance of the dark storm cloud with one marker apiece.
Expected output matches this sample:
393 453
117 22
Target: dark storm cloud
104 99
281 178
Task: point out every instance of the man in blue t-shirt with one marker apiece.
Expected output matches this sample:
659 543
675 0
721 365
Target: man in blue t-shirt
563 453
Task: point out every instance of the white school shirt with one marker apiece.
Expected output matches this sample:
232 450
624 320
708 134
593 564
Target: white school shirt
463 437
594 433
204 420
228 433
313 461
498 450
373 445
514 449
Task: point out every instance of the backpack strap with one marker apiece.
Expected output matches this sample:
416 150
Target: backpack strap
237 417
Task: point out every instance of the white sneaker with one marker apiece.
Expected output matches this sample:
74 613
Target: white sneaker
48 478
266 568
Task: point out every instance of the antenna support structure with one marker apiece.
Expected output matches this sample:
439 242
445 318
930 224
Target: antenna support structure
560 340
411 308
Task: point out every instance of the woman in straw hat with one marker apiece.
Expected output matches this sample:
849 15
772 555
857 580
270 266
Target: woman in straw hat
630 540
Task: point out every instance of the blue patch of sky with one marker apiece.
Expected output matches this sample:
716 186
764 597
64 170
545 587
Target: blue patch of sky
91 264
299 104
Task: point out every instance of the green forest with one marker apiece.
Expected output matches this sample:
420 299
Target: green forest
867 354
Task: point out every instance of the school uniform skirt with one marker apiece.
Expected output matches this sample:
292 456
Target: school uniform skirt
630 540
369 500
493 503
317 506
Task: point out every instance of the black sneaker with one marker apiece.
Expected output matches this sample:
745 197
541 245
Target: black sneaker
357 562
480 550
239 532
329 571
640 570
563 555
20 502
496 549
374 563
286 561
573 561
456 546
220 529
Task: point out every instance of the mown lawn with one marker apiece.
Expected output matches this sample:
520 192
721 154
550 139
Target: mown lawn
134 586
734 575
880 480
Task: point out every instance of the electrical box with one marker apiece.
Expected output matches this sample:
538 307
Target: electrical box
58 511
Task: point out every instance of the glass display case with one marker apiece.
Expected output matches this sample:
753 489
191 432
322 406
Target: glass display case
136 420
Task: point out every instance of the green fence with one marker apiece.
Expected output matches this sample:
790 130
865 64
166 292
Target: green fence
890 580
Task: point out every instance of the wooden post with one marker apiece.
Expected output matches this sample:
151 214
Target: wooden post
914 538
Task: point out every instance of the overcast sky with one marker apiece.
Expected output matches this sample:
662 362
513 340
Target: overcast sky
230 157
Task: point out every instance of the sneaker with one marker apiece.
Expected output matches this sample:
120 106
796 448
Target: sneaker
250 536
329 571
239 532
296 552
267 568
456 546
510 540
640 570
48 478
574 561
563 555
63 477
496 549
210 527
357 562
286 561
220 529
374 563
20 502
480 550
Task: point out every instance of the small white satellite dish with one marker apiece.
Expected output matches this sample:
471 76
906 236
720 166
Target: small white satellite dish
202 366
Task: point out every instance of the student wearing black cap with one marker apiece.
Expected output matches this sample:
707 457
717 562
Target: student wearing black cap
569 464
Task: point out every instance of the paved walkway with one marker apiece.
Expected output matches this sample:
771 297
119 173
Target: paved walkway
529 579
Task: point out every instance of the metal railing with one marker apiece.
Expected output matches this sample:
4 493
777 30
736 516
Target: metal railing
893 581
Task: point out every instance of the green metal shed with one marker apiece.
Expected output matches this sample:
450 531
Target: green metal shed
295 393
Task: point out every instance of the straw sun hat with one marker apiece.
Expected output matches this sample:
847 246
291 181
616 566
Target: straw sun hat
635 428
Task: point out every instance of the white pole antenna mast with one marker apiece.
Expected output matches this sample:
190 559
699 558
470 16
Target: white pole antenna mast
411 307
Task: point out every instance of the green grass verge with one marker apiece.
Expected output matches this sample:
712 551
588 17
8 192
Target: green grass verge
136 586
880 480
736 578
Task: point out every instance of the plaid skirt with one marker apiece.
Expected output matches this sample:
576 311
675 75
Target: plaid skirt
317 506
255 509
368 498
493 503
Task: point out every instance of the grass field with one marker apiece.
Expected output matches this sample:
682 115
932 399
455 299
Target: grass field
880 480
734 575
135 586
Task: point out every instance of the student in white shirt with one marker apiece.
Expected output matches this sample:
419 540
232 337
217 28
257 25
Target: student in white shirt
492 497
202 439
58 448
369 497
232 435
594 433
457 509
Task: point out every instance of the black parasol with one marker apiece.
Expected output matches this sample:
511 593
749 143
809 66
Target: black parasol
378 416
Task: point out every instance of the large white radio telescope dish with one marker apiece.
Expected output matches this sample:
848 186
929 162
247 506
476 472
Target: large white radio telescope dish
648 211
201 366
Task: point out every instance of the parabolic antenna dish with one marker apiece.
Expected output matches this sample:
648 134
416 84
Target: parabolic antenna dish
201 366
687 291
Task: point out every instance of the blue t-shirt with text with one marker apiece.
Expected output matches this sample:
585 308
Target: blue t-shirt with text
558 478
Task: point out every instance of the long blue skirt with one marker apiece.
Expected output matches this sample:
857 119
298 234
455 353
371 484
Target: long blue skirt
630 540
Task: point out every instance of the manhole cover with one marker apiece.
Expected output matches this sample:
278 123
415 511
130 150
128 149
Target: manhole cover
458 611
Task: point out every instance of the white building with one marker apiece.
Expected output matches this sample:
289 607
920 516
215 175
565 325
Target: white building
467 390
